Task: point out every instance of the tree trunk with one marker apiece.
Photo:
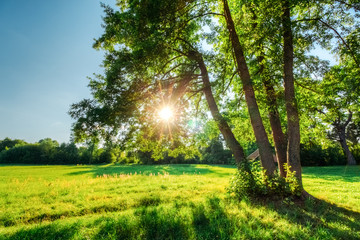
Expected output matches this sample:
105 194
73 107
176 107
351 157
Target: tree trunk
342 139
293 130
224 128
256 121
274 117
278 135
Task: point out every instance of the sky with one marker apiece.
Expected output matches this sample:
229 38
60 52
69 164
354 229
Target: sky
46 55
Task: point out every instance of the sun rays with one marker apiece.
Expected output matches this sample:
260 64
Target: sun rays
166 114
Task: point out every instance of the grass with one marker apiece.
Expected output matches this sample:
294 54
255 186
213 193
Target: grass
168 202
339 185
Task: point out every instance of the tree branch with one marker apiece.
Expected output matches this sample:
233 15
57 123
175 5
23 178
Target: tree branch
232 77
336 32
312 90
349 119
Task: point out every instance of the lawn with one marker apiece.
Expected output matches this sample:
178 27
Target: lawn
168 202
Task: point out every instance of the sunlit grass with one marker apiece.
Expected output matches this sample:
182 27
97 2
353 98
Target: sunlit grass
339 185
167 201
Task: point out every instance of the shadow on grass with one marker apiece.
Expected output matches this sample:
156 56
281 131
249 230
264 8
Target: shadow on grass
210 221
322 219
178 169
52 231
185 221
213 219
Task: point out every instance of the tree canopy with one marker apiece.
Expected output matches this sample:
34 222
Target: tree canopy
245 63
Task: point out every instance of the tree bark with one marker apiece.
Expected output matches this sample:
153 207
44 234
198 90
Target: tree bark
341 131
256 121
349 157
225 130
223 126
293 129
279 137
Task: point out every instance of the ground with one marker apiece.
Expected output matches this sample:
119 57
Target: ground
169 202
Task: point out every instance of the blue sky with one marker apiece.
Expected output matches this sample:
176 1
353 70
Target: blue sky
45 56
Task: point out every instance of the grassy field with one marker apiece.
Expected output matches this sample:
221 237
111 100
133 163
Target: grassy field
168 202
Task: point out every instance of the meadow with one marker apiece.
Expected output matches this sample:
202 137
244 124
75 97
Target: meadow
169 202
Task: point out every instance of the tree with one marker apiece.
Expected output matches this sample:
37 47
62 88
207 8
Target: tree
243 71
340 103
173 42
7 143
261 43
293 129
155 57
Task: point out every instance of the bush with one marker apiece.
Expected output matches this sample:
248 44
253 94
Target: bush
251 182
315 155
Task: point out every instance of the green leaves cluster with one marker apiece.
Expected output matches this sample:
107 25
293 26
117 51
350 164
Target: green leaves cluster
258 185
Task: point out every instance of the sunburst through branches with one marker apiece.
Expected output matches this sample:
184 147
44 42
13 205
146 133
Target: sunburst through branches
166 114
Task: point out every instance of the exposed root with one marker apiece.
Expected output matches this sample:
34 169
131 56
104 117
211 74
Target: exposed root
306 195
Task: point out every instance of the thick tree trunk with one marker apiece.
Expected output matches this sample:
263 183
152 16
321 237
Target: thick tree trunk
224 128
256 121
293 130
342 139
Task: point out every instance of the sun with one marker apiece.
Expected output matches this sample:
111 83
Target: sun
166 114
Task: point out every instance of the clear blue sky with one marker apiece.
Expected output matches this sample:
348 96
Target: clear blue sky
45 56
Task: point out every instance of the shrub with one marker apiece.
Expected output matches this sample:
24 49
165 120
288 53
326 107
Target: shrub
251 182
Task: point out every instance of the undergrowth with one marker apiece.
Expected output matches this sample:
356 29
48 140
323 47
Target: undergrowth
250 181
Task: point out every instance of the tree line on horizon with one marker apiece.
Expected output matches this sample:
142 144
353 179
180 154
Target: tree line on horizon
48 151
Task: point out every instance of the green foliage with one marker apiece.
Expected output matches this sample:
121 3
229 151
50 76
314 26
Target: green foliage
48 151
29 154
8 143
143 71
355 149
146 157
107 156
317 155
66 154
216 154
257 185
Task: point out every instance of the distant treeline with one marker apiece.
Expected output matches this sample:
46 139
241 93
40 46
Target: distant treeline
48 151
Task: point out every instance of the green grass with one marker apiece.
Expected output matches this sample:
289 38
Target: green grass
339 185
168 202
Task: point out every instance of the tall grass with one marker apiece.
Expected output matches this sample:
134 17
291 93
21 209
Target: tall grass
168 202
